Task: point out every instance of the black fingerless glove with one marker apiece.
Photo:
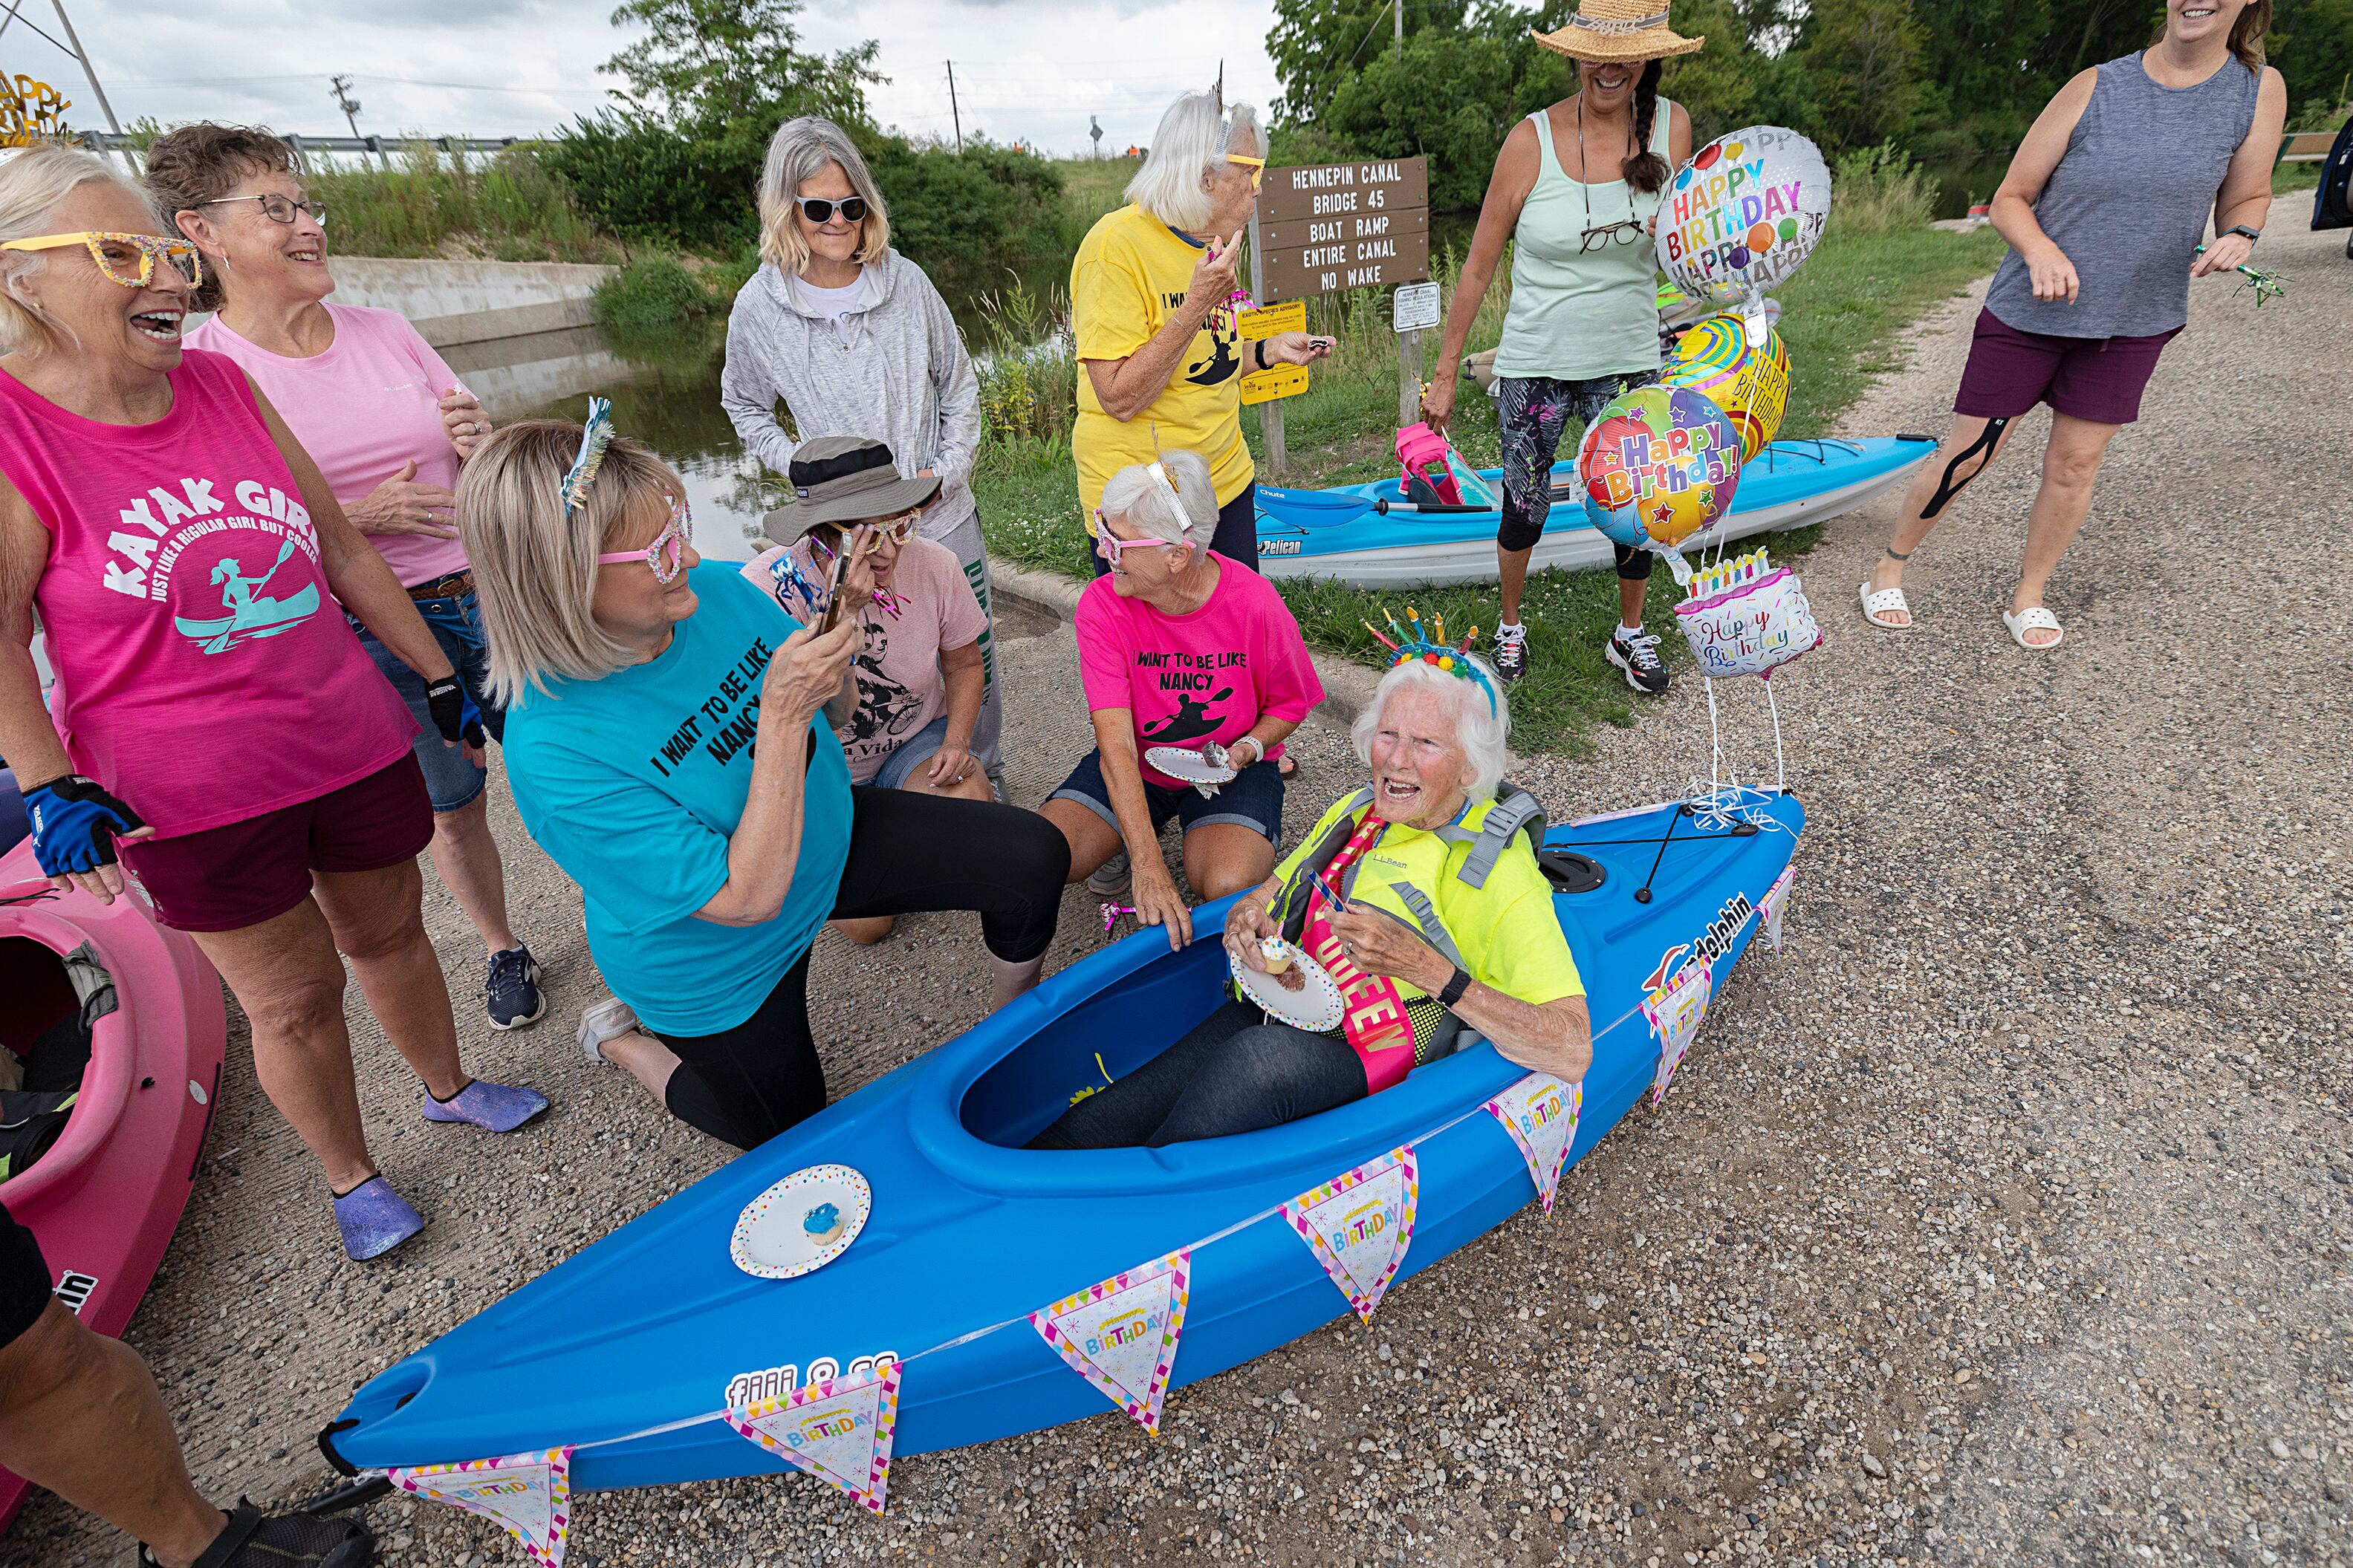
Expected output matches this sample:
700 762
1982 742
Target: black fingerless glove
445 700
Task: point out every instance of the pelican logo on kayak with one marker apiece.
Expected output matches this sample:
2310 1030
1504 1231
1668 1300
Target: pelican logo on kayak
1278 547
1123 1329
1711 945
746 1389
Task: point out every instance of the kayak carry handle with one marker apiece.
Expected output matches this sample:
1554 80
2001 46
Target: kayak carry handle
342 1467
357 1494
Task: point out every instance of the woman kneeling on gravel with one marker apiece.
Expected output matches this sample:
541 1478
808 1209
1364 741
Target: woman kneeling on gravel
1451 933
663 744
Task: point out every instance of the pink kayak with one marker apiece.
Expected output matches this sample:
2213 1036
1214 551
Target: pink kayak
105 1197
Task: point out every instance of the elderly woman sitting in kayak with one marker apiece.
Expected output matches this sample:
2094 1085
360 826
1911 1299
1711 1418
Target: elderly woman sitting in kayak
664 745
1420 895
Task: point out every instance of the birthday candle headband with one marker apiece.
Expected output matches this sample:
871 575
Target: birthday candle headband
1168 489
1409 646
596 435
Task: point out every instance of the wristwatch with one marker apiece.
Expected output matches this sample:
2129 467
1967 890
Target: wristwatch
2252 233
1455 987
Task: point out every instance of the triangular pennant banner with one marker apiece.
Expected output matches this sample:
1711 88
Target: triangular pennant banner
1121 1335
1674 1011
530 1494
1359 1224
838 1430
1540 1113
1769 906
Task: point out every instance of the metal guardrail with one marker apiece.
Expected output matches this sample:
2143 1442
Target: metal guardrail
382 146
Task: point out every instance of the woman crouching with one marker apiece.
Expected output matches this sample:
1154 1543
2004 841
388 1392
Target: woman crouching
1424 948
663 747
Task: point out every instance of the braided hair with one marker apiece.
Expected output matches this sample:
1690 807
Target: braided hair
1645 170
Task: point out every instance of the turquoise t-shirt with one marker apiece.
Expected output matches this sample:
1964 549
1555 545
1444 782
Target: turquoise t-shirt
633 784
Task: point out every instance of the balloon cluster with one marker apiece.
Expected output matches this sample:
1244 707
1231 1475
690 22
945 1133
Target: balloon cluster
1746 617
1662 463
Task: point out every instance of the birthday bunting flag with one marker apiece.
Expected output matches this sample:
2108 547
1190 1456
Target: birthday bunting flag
1121 1335
530 1494
1674 1011
1359 1224
1540 1113
1769 906
838 1430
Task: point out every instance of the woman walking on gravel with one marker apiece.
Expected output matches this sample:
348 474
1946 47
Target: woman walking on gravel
2103 206
854 339
1584 321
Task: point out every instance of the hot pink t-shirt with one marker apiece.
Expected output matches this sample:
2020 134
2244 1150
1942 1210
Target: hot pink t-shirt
900 687
362 408
1192 679
205 672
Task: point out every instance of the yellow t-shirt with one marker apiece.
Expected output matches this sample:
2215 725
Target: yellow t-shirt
1509 936
1130 273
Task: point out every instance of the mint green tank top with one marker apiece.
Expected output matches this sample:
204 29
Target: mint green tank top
1578 315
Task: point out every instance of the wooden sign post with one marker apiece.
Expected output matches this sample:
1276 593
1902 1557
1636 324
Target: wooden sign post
1327 228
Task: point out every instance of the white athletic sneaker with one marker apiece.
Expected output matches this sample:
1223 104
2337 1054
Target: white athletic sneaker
607 1020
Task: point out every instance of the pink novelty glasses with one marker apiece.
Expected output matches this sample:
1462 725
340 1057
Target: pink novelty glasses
667 550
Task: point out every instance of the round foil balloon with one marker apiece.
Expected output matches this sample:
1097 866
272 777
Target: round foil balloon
1746 618
1748 380
1658 464
1738 217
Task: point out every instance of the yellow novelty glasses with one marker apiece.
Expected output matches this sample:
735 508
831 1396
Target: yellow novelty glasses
125 258
1257 166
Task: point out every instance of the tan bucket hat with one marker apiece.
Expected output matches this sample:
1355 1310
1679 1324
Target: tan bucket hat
1605 31
844 480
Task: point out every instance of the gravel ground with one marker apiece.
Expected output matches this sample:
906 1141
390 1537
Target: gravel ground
2005 1216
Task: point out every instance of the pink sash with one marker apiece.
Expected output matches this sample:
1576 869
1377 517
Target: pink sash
1374 1021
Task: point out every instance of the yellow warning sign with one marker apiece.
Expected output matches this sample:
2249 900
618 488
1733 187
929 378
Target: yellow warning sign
1286 318
1275 380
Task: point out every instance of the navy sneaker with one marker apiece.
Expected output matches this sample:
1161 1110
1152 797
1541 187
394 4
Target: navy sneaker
1638 656
512 989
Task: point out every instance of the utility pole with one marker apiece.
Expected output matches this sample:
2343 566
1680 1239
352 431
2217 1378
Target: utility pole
1400 31
86 68
351 107
954 113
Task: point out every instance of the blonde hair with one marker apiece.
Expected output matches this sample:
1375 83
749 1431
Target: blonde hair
535 568
1133 494
1194 137
797 153
32 184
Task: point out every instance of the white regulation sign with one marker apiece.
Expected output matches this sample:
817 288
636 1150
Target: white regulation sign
1414 307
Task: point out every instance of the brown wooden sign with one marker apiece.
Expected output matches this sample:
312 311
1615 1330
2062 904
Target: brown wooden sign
1334 190
1332 226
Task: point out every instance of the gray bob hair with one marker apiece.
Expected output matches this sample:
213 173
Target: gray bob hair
797 153
32 183
1190 145
1135 494
1483 732
535 568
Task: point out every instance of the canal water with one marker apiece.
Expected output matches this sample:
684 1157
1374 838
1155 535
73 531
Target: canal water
664 388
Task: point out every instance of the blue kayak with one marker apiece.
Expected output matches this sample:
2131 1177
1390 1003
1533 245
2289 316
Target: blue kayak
1366 535
627 1350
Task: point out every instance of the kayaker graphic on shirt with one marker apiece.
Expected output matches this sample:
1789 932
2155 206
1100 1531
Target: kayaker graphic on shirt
1191 721
248 617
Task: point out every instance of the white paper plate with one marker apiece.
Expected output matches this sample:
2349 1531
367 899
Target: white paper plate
801 1224
1314 1006
1191 766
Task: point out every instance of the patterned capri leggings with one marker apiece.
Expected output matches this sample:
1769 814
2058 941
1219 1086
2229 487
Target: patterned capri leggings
1535 414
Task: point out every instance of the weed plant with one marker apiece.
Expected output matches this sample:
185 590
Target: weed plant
506 206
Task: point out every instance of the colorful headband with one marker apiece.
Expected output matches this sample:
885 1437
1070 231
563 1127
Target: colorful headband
1410 646
596 435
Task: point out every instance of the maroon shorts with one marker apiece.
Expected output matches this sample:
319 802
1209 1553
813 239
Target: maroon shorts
242 873
2098 379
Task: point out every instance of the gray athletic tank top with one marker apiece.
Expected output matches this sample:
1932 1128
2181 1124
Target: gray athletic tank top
2129 201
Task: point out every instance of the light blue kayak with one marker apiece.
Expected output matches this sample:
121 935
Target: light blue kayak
1367 535
970 1232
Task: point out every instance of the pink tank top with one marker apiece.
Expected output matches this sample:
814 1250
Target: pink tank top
205 672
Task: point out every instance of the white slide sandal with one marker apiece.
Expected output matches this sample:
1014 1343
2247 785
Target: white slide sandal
2033 618
1877 604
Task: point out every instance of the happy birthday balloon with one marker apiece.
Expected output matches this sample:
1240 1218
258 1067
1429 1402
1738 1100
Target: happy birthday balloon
1737 219
1746 379
1658 464
1746 618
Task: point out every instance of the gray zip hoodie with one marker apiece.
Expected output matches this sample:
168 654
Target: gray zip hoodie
896 370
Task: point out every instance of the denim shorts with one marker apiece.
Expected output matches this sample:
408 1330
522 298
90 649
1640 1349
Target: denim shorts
1254 798
912 753
455 623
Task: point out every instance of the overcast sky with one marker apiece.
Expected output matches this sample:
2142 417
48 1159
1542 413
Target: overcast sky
1024 69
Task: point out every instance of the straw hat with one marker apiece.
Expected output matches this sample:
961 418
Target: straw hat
1604 31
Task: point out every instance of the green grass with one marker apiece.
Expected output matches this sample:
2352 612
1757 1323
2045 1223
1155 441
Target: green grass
504 206
1843 313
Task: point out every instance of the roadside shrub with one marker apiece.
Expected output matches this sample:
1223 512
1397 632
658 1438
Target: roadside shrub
650 292
1879 190
1029 369
646 180
507 206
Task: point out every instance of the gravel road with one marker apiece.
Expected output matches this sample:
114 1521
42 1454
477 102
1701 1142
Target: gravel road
2006 1215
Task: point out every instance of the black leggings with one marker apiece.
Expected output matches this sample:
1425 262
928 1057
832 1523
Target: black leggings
1234 1073
908 853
